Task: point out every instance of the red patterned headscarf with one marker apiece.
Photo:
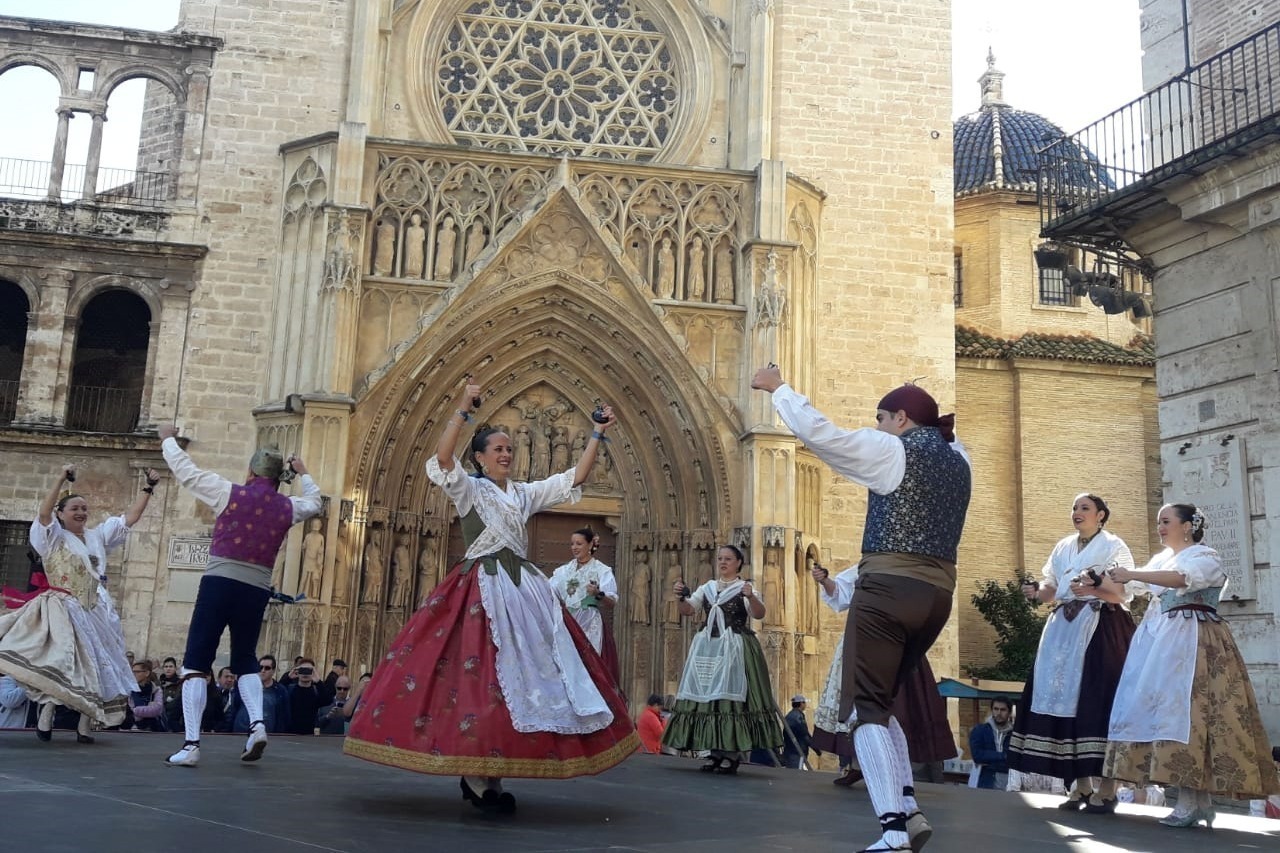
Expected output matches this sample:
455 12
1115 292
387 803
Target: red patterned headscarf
920 407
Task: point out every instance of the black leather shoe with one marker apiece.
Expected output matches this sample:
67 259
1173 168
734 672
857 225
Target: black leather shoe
1107 806
45 736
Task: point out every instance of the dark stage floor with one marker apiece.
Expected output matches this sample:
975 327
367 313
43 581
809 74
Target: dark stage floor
305 795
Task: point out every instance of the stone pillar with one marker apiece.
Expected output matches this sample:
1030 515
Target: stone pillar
43 369
339 315
59 162
149 382
192 111
166 359
90 190
752 114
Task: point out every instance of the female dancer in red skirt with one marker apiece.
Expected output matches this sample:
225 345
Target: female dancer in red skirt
490 679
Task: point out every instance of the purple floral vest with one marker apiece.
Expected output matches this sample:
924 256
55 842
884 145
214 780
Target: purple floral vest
253 525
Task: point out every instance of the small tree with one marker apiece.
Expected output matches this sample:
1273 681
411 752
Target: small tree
1018 624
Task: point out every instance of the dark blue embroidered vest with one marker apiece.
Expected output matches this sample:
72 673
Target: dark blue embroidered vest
925 514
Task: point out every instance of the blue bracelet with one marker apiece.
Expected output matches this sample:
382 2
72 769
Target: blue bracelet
598 435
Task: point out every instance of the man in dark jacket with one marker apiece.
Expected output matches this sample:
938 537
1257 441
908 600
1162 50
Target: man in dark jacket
800 731
987 742
306 698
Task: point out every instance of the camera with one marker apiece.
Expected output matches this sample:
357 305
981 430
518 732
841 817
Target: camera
306 670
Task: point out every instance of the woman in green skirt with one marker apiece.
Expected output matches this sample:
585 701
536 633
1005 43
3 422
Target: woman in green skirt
732 668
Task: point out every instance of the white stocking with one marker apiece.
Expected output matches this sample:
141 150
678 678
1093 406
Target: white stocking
251 694
903 767
878 757
194 695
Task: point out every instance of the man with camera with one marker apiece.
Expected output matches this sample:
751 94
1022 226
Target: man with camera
253 521
332 719
306 697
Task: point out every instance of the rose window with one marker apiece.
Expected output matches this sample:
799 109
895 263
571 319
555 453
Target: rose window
587 77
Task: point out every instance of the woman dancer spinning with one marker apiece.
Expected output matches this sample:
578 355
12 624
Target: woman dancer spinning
489 679
65 643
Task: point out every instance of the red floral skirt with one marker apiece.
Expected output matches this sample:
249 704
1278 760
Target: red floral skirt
434 704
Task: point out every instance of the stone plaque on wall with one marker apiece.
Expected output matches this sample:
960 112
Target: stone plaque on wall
189 553
1213 478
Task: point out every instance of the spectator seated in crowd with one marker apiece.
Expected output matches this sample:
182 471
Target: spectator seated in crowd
331 719
987 747
222 693
306 698
651 725
171 685
145 712
13 704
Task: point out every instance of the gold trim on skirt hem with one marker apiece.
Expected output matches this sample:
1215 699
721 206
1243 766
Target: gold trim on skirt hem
525 768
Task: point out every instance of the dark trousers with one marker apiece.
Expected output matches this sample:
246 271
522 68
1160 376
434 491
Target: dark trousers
892 623
222 603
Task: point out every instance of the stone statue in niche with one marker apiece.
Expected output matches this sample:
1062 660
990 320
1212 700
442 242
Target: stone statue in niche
415 238
704 510
666 270
671 613
475 241
603 466
635 251
341 569
724 273
384 256
540 437
446 240
697 290
775 607
374 570
560 450
401 573
579 447
520 453
638 590
426 566
312 560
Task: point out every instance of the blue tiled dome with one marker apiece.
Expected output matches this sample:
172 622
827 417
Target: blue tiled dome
996 147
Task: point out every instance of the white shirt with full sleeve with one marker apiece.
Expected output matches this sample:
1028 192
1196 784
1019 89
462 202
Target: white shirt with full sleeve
214 490
544 683
865 456
1153 699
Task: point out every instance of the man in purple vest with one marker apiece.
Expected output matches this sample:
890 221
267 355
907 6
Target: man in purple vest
919 483
253 520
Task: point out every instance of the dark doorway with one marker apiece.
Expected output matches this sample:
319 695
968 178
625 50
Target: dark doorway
14 308
110 367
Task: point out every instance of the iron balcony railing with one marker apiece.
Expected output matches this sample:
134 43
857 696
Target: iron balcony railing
93 409
30 179
8 400
1095 182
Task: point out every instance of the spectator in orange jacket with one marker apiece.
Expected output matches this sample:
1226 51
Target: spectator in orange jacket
651 725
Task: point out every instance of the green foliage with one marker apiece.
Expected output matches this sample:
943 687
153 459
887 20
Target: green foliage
1018 624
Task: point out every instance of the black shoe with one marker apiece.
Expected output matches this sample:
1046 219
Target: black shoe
45 736
729 767
506 803
84 738
1073 803
469 795
1107 806
712 765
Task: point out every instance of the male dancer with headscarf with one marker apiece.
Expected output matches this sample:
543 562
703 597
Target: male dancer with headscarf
253 520
919 482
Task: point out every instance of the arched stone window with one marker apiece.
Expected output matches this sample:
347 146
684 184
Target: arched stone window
109 369
14 308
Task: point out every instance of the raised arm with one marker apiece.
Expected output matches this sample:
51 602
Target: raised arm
51 500
133 513
308 503
207 486
447 449
588 459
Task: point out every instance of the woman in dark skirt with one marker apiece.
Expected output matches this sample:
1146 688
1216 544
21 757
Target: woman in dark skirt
726 728
1061 726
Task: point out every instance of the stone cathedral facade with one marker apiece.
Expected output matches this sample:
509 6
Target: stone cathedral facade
628 201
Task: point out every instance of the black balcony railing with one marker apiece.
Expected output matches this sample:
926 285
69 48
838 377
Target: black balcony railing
8 400
30 179
1094 183
94 409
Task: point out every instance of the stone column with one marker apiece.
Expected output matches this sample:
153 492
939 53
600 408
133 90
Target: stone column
42 372
59 162
165 359
95 154
192 110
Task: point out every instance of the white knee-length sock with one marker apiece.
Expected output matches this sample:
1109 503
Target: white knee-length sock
251 694
903 767
195 692
877 755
